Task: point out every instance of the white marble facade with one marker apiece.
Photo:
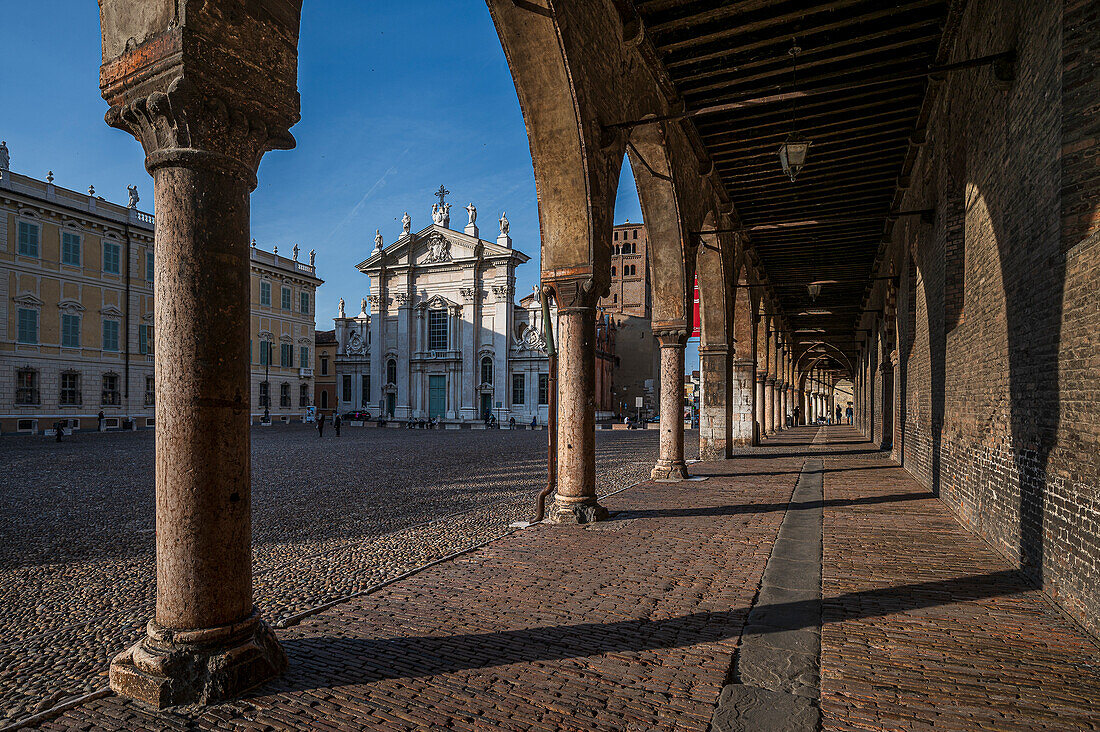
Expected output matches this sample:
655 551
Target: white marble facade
439 334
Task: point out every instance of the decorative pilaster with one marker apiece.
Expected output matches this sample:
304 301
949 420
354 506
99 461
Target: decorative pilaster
575 502
207 93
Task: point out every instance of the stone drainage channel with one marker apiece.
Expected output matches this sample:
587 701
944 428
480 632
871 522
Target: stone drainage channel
775 678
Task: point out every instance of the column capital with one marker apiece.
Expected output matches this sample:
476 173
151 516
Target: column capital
671 335
201 85
714 350
577 292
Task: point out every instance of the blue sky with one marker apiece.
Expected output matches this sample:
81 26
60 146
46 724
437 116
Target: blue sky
397 98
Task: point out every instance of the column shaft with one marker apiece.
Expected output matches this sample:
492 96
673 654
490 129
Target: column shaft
670 457
714 406
759 428
576 428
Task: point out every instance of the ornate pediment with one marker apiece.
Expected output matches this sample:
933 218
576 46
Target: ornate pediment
28 300
70 306
266 335
111 311
437 302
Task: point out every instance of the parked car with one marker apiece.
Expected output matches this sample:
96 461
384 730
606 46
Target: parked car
355 416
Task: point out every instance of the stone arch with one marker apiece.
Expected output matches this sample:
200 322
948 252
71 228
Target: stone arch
576 168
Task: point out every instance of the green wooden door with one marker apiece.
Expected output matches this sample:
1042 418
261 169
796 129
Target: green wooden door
437 395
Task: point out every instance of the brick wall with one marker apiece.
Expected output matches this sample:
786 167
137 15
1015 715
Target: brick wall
1000 409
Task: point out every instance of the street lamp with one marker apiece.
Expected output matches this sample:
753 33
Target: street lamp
793 151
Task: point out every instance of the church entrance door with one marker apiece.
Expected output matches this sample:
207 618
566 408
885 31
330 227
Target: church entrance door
486 404
437 395
391 404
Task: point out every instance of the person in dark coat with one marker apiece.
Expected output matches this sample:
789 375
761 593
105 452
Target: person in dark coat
321 425
336 424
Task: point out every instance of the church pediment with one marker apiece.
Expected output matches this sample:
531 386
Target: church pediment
436 302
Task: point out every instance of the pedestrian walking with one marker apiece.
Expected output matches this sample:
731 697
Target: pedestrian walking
58 428
838 414
336 424
848 414
99 423
321 425
797 412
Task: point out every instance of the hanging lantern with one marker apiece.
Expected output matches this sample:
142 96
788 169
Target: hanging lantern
815 290
792 155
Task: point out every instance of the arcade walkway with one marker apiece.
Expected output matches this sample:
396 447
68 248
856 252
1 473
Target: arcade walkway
635 623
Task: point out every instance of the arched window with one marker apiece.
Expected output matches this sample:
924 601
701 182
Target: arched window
487 370
391 371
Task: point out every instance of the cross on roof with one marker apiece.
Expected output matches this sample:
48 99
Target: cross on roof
441 193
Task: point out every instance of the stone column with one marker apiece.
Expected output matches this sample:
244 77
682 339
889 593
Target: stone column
670 456
769 405
207 641
575 502
782 406
761 400
714 425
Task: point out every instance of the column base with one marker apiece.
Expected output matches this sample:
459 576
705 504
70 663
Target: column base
665 470
582 512
205 666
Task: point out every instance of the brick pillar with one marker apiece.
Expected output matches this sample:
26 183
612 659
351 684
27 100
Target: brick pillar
203 145
670 456
886 405
575 502
714 423
743 398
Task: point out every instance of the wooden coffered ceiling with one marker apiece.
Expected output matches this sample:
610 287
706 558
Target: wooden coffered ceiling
862 79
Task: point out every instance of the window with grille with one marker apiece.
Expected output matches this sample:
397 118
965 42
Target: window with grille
265 293
391 371
285 354
264 394
284 394
437 330
112 257
486 370
70 330
544 388
70 249
519 384
26 386
111 395
286 298
303 395
150 391
70 389
110 335
28 325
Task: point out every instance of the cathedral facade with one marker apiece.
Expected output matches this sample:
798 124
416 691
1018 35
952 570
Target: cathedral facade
439 334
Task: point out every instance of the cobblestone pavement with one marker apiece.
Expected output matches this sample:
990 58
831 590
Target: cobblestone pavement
636 623
331 517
